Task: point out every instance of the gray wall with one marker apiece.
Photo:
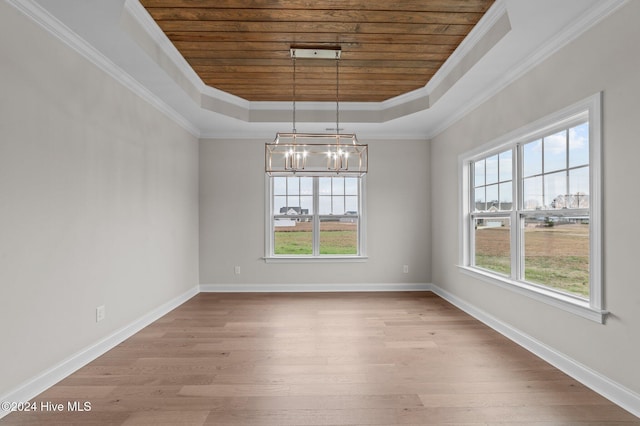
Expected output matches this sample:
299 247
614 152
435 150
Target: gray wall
603 59
98 203
232 198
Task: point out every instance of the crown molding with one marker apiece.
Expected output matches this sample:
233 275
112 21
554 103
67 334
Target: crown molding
479 31
53 26
227 104
589 19
477 34
142 17
147 34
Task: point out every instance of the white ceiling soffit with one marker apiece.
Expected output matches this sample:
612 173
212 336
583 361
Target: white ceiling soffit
119 37
492 27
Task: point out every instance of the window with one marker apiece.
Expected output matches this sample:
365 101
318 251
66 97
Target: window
315 218
531 205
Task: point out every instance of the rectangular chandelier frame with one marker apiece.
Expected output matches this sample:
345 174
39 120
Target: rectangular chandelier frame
312 154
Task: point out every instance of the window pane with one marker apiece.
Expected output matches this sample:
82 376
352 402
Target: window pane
291 237
293 204
478 176
280 185
338 205
506 164
492 197
555 152
532 158
540 187
351 205
579 188
480 200
296 231
556 253
351 186
493 245
306 204
325 204
338 186
339 236
293 185
279 205
325 185
492 169
579 145
532 193
506 196
306 186
555 190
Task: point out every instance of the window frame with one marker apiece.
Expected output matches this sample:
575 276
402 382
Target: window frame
588 110
316 218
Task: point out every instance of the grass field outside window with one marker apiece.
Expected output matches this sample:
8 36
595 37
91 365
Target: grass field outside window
315 216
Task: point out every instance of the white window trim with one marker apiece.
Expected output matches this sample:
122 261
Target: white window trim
269 257
593 308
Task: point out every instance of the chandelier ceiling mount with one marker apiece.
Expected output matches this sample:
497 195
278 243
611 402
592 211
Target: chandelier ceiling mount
313 154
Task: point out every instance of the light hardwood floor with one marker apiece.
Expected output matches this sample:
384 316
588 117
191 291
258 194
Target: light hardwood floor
321 359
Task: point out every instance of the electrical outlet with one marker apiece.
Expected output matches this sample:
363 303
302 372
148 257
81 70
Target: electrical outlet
100 313
236 270
405 269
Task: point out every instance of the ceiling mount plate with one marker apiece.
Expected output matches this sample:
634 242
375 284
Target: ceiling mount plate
320 53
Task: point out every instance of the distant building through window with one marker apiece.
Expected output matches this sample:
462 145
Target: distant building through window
315 217
531 211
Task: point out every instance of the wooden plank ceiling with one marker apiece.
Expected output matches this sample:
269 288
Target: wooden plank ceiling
388 47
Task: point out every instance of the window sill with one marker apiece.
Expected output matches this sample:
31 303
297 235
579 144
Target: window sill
567 303
315 259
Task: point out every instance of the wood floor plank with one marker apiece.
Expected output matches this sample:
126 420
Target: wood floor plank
322 359
332 402
513 399
270 417
168 418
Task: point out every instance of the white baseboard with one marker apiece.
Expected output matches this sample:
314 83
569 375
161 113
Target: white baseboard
53 375
308 288
615 392
620 395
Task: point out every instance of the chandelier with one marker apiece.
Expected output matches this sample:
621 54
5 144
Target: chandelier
312 154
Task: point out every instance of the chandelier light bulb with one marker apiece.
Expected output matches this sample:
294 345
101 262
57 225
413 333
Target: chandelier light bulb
297 148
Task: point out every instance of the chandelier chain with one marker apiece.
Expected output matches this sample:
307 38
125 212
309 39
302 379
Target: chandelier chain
294 93
337 93
315 154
